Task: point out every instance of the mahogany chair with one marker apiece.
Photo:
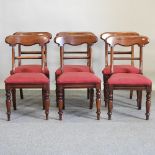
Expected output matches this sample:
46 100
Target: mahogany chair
129 67
73 67
128 81
31 68
27 79
78 76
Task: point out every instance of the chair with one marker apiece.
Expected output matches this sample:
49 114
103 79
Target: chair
128 81
34 68
27 79
80 76
123 68
73 68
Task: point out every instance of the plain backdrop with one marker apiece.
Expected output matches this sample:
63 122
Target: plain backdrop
97 16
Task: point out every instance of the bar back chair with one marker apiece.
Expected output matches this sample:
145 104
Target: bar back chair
27 79
73 55
78 76
128 81
29 54
119 54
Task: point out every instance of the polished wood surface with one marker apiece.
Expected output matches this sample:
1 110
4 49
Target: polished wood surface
76 39
140 41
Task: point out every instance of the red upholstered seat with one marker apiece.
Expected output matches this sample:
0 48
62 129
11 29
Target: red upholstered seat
27 78
73 68
129 79
77 77
31 69
121 69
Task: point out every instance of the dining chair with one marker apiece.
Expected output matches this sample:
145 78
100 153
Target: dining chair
35 67
27 79
74 67
81 76
128 81
127 65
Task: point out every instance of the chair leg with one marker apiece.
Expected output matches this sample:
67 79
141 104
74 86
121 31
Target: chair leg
46 102
98 103
110 104
148 104
8 103
43 97
14 98
131 94
91 98
21 93
105 90
60 102
63 99
139 99
88 93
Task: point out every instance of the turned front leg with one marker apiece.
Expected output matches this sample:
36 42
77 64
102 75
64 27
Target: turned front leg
148 104
60 102
98 103
46 102
110 104
8 103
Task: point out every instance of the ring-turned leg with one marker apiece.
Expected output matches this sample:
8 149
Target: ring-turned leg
46 102
8 103
98 102
148 104
60 101
110 103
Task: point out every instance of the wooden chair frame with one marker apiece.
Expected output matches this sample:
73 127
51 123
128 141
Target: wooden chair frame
104 37
26 40
75 39
38 53
141 41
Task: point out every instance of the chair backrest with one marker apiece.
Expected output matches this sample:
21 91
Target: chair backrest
27 40
75 39
127 41
21 52
104 37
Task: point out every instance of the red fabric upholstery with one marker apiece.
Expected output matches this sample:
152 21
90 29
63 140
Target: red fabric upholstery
77 77
121 69
27 78
128 79
31 69
73 68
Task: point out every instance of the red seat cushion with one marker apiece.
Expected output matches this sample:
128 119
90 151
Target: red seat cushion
121 69
77 77
31 69
73 68
27 78
128 79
